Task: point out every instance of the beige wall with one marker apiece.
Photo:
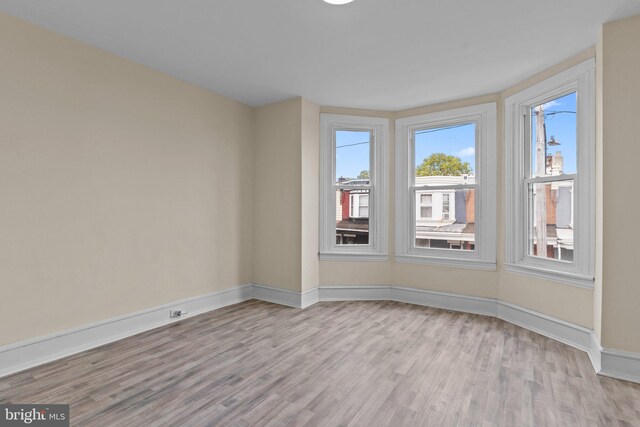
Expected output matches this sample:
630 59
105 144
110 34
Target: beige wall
121 188
310 195
555 299
286 191
621 204
277 188
347 273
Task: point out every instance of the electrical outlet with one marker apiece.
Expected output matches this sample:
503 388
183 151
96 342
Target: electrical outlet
176 313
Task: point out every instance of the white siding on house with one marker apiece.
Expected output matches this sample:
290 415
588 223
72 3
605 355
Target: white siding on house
445 180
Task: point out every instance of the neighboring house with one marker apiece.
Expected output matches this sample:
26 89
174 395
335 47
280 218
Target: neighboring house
352 214
445 218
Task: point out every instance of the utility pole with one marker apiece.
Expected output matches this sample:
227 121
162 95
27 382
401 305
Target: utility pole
540 191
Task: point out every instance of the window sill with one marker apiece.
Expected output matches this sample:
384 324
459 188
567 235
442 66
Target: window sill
352 256
447 262
572 279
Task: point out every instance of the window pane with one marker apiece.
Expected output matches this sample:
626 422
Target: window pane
553 137
448 151
449 221
364 206
352 157
445 206
551 220
352 217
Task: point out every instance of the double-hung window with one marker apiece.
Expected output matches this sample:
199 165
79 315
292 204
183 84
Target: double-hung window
426 205
353 206
550 142
446 188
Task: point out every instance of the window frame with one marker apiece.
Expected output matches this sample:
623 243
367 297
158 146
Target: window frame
483 256
579 272
376 249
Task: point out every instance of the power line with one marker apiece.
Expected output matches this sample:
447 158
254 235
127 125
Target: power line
350 145
416 133
439 129
552 113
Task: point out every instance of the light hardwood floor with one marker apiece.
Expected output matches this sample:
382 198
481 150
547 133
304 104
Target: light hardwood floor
335 363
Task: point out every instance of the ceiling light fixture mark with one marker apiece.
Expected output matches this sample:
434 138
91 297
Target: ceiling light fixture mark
338 2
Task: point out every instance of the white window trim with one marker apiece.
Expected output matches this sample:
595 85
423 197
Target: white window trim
376 250
483 257
581 79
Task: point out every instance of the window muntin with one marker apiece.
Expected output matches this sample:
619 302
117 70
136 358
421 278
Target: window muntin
550 142
352 187
449 155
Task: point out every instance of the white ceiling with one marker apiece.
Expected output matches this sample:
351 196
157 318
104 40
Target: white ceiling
380 54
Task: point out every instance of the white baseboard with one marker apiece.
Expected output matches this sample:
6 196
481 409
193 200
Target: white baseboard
455 302
552 327
37 351
26 354
309 297
277 295
623 365
595 353
285 296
